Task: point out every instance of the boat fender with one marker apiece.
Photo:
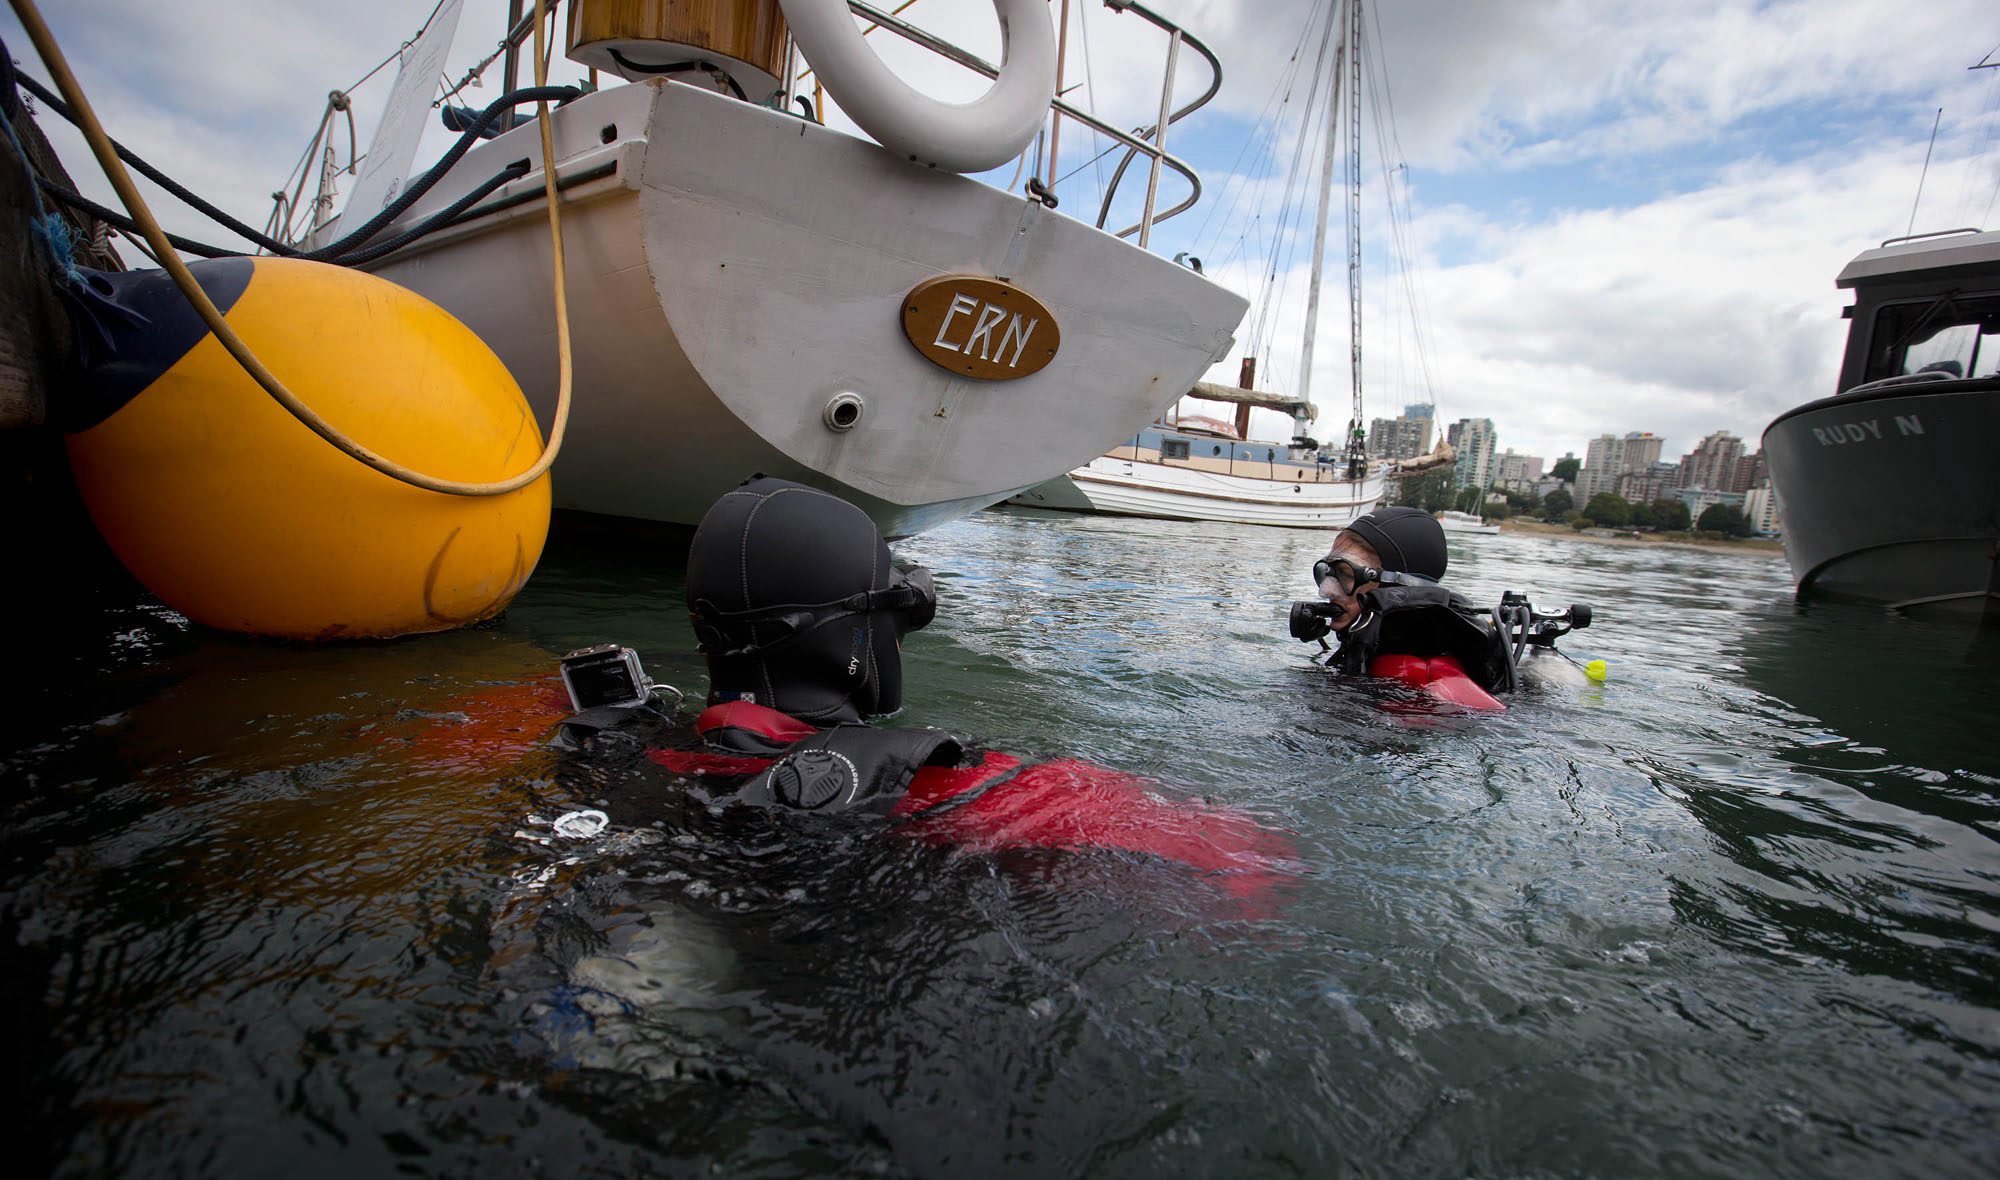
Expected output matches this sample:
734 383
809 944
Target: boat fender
960 137
233 513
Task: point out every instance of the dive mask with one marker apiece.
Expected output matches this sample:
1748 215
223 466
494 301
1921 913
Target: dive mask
1347 575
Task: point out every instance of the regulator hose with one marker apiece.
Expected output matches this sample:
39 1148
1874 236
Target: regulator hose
335 250
424 228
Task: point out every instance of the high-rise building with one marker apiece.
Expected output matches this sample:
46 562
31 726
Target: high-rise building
1651 483
1760 504
1399 438
1712 463
1472 439
1750 473
1516 473
1608 457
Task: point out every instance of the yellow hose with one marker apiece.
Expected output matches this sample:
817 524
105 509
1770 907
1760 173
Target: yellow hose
107 158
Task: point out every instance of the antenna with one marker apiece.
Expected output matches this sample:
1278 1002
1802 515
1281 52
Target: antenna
1925 172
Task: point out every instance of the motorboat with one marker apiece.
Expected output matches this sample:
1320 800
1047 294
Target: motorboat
1887 490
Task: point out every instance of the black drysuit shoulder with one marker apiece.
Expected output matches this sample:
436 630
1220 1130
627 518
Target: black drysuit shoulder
1426 621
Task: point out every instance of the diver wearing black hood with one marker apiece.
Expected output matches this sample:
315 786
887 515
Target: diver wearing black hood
801 614
797 605
1381 580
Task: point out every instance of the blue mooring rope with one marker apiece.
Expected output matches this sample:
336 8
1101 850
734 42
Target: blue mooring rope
49 230
58 241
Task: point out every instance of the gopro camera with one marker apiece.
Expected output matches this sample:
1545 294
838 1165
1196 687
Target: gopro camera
606 674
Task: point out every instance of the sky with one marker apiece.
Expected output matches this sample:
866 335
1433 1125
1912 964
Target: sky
1612 215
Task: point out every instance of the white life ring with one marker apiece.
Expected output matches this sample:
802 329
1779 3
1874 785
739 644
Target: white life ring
962 137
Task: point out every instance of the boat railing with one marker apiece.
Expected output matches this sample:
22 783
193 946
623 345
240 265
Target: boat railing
1150 142
1936 233
1136 142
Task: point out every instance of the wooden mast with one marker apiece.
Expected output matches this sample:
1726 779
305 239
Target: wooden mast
1319 228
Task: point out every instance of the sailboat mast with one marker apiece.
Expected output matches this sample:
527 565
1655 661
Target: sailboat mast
1357 456
1319 227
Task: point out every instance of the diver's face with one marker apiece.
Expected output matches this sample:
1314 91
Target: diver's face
1352 549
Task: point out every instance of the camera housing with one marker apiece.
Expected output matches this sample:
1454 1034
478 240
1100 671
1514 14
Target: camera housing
606 674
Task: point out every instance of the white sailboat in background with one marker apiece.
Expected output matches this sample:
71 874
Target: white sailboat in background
751 290
1455 521
1171 472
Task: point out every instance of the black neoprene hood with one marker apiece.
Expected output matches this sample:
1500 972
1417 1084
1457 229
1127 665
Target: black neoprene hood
1408 540
779 588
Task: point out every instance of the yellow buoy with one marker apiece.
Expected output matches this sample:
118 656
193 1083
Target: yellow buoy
1596 670
241 518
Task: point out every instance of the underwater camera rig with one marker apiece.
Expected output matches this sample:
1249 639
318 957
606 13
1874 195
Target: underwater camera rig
1518 630
1523 625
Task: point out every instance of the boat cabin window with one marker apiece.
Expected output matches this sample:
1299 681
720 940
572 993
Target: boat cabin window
1954 334
1173 448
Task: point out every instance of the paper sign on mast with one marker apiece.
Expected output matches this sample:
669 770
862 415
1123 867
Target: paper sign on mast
394 150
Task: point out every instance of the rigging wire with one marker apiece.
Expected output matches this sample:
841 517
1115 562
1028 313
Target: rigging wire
1284 243
1400 219
1090 93
1262 319
351 87
1412 272
1968 193
1264 128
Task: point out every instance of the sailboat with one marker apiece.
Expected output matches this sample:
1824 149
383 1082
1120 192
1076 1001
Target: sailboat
752 290
1177 471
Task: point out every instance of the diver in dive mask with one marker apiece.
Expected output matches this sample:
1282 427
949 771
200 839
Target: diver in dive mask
1381 595
1380 581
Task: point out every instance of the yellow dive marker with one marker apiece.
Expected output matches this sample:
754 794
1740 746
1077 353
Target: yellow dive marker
237 515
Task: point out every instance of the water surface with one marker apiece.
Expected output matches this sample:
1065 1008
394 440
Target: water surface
276 910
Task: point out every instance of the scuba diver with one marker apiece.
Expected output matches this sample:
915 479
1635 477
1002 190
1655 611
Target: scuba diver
800 615
1381 584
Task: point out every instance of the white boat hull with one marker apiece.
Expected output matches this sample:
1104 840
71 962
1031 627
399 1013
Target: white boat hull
1124 487
732 269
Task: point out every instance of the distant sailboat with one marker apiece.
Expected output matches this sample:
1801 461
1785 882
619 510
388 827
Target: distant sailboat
1466 522
1172 472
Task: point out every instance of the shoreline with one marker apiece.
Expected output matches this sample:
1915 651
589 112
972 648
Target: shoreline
1746 547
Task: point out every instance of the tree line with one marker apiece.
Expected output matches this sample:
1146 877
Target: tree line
1433 492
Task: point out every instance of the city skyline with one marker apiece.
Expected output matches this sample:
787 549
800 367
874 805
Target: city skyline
1654 447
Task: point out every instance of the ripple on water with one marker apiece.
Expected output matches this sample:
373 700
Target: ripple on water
278 907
